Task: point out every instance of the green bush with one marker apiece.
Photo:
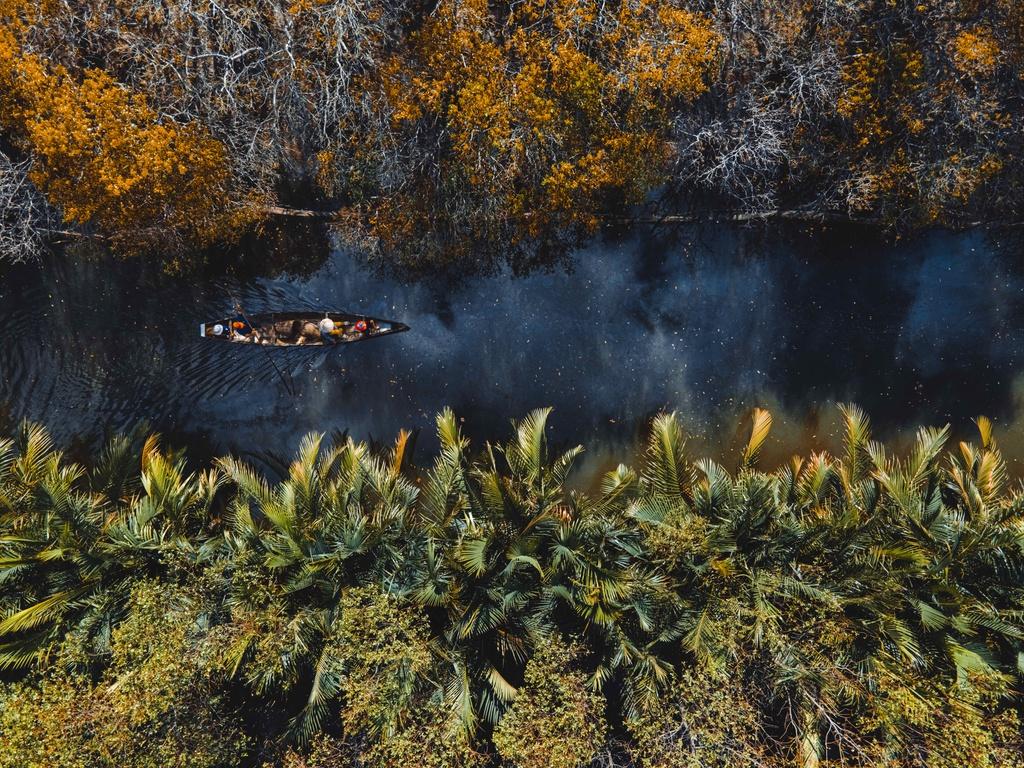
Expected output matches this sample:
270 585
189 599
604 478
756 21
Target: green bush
706 720
853 611
158 704
556 720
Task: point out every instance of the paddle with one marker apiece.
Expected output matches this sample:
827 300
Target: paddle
288 386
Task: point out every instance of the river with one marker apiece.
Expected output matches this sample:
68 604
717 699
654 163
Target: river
707 321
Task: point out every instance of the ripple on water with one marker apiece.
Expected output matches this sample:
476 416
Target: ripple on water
709 324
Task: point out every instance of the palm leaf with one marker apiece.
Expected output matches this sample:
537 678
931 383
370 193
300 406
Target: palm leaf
665 466
761 426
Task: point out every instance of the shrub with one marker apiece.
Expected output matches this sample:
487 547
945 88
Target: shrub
556 721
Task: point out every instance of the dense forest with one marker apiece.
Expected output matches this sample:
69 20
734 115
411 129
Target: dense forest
494 606
464 132
351 608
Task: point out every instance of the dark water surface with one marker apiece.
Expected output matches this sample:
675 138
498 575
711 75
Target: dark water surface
709 322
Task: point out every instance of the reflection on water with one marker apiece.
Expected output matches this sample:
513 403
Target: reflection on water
709 322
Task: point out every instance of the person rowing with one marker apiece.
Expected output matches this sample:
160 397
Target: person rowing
241 329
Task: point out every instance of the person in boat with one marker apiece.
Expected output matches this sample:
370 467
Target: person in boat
287 332
330 332
309 333
241 329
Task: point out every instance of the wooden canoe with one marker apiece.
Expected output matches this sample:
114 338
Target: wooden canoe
298 329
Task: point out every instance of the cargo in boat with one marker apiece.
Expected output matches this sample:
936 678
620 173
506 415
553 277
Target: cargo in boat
298 329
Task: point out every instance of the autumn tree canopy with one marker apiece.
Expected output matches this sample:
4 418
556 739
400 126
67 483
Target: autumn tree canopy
104 158
521 123
469 133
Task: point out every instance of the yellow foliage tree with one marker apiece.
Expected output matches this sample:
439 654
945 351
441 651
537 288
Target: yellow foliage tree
106 159
925 128
540 112
976 51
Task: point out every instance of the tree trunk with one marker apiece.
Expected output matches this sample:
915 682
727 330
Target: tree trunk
710 217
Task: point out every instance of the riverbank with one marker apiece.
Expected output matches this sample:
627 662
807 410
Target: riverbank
468 135
854 610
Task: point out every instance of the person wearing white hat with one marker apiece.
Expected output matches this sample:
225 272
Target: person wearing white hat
329 332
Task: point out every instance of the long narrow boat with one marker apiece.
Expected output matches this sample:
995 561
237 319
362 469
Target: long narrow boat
298 329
